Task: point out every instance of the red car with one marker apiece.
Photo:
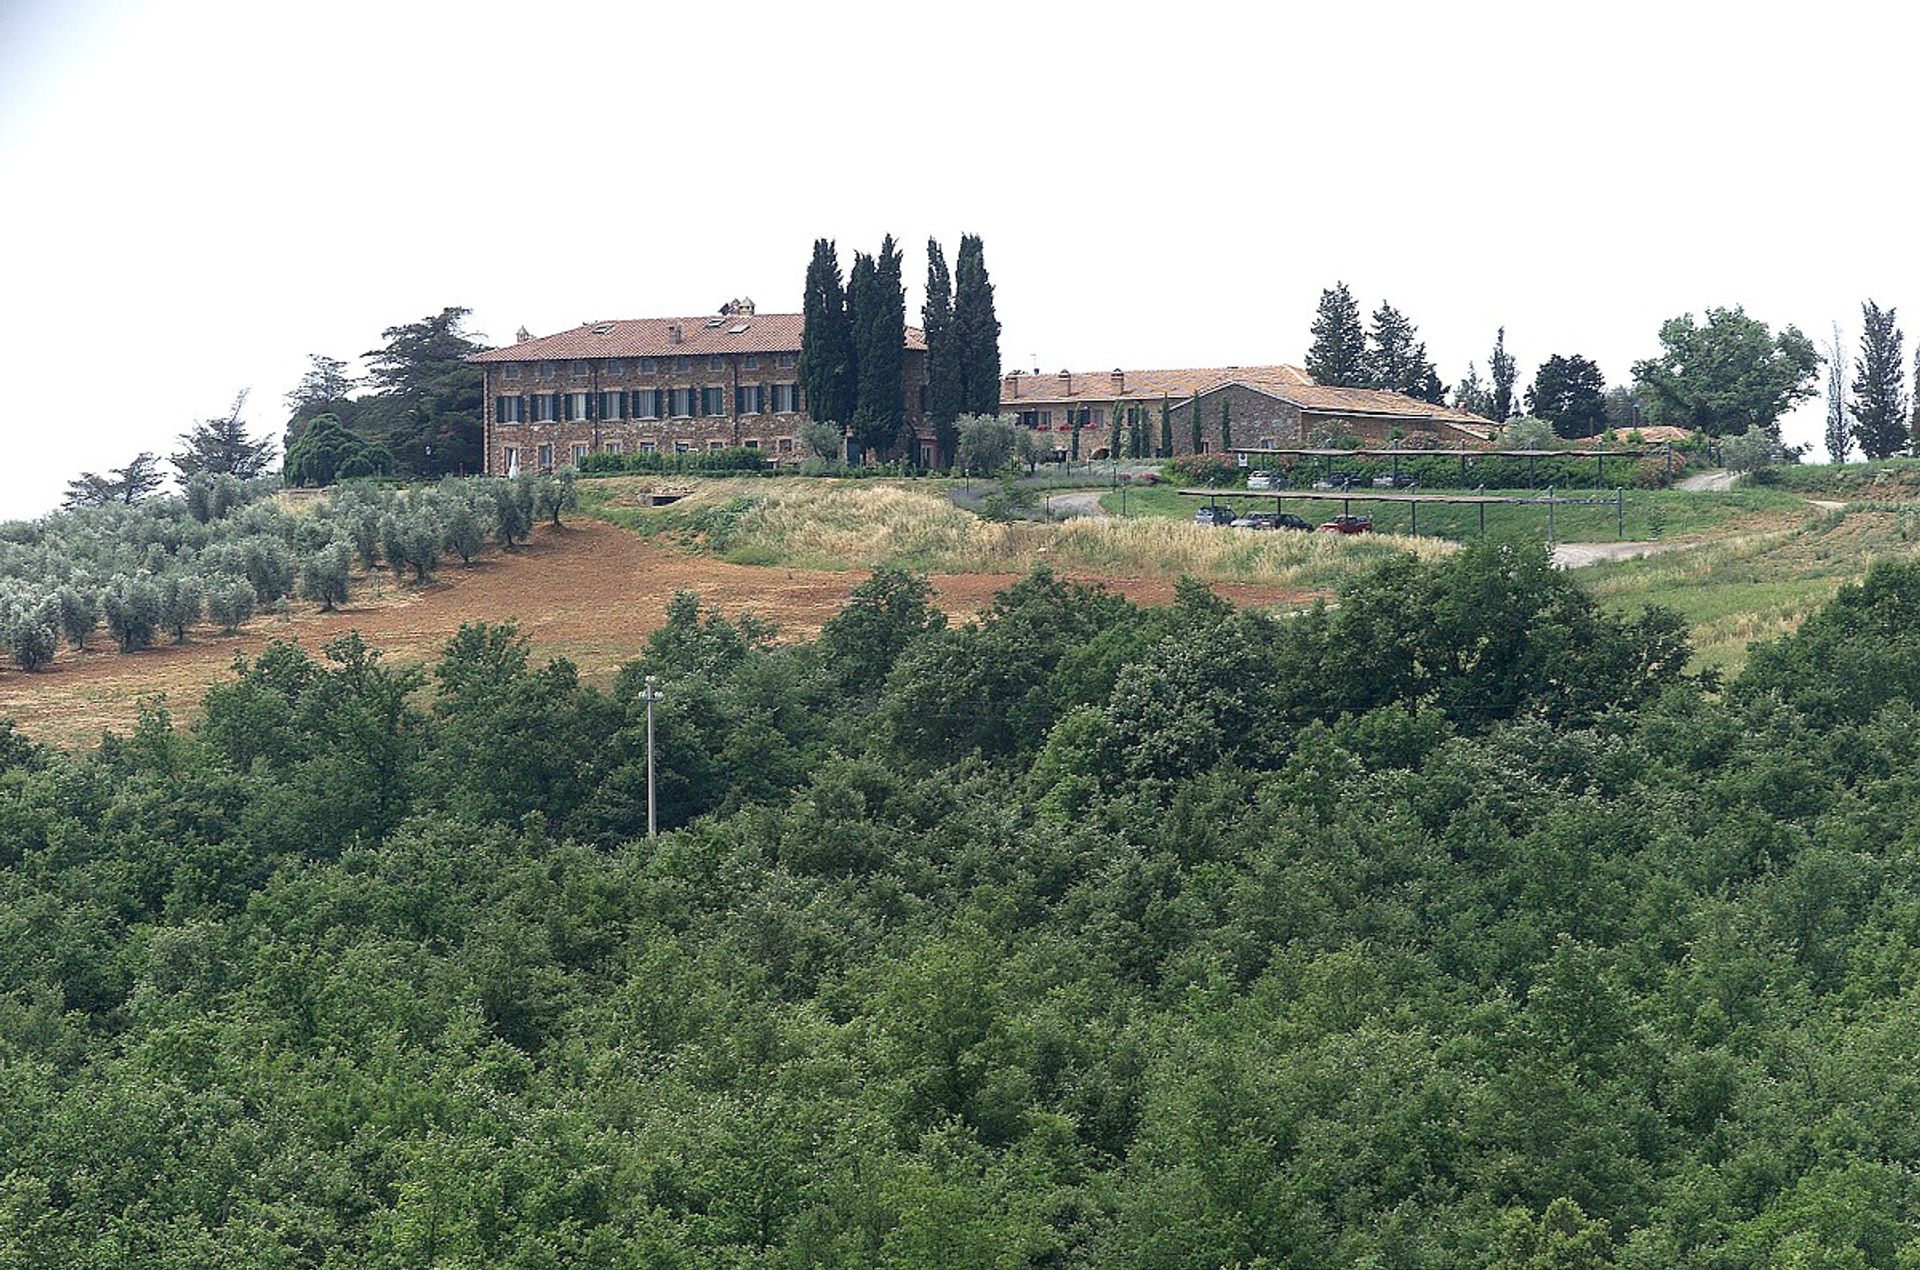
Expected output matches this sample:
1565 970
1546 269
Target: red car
1347 525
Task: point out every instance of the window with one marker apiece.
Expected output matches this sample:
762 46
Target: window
613 405
509 409
546 370
646 447
681 447
543 407
751 444
577 405
1038 418
615 366
750 362
579 453
681 363
646 403
786 360
716 445
579 368
786 399
513 460
716 362
749 399
546 457
713 401
680 402
786 445
510 371
612 447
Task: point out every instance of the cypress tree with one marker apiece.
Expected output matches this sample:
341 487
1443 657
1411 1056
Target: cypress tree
976 330
1880 385
1166 426
879 309
1839 427
826 341
943 362
1505 370
1198 438
1337 357
1226 425
1113 444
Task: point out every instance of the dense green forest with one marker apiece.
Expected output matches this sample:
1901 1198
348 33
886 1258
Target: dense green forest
1451 925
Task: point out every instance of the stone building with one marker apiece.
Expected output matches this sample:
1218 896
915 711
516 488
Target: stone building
667 384
1269 406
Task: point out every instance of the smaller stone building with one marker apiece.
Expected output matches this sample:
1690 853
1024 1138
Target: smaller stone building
1269 406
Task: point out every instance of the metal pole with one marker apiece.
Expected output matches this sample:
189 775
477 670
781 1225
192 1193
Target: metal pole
1550 537
652 697
1619 514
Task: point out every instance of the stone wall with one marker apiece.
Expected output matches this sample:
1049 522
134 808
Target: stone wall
1257 419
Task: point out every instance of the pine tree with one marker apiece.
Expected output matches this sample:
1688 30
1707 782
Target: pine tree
1472 396
1226 425
1839 426
1337 357
1880 385
221 446
1505 370
878 305
1166 427
976 330
943 357
827 374
1396 360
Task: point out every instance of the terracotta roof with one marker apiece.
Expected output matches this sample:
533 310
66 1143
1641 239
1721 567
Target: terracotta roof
651 337
1288 383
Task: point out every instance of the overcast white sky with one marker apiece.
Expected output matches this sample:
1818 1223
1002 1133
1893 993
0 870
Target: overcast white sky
198 195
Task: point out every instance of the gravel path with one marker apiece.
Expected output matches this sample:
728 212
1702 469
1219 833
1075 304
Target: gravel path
1719 480
1078 503
1578 555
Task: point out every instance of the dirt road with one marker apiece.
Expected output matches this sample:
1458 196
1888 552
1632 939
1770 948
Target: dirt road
1721 480
1078 503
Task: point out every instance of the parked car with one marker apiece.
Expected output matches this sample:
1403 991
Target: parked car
1213 515
1338 480
1288 520
1266 478
1257 520
1347 525
1387 480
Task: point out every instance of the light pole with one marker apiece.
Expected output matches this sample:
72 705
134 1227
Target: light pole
652 697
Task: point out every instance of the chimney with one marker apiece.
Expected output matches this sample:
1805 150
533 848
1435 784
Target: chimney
674 335
1013 383
1119 381
522 335
1066 381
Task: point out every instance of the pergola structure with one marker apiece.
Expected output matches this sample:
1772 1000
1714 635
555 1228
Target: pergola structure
1599 456
1347 498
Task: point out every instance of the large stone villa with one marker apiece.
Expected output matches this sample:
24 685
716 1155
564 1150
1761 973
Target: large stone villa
732 380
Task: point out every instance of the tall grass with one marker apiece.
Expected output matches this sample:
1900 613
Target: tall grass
830 525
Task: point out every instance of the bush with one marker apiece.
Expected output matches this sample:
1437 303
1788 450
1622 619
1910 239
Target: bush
466 535
183 598
323 576
30 626
734 459
133 609
79 613
1215 471
230 602
986 444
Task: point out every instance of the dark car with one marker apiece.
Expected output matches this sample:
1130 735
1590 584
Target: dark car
1339 480
1211 515
1347 525
1287 520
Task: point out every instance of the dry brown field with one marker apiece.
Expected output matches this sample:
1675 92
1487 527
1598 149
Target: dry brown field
589 592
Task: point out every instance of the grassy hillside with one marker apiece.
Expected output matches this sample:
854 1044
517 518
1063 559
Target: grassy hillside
816 524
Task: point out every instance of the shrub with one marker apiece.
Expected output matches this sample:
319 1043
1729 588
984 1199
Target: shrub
230 602
1211 470
79 613
183 598
466 536
323 576
132 607
30 626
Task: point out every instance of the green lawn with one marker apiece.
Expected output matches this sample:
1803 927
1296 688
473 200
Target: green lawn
1649 514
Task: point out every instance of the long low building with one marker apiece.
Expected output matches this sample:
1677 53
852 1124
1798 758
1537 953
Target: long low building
1267 406
668 384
